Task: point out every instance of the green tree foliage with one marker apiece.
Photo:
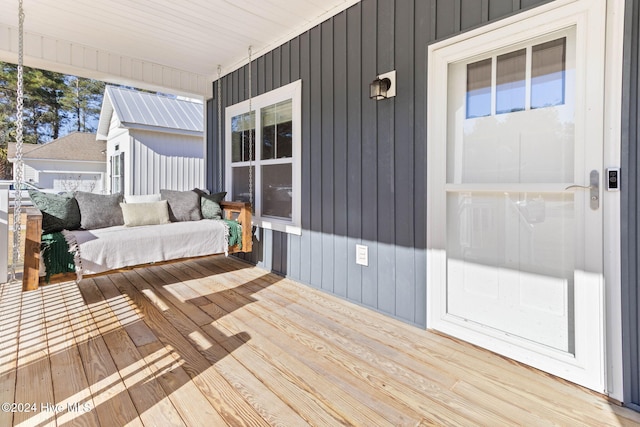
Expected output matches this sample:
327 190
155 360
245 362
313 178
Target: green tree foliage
53 104
83 102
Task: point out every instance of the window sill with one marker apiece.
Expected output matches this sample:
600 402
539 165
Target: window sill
268 224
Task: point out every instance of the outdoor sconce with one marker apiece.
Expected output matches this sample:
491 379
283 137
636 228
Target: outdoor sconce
384 86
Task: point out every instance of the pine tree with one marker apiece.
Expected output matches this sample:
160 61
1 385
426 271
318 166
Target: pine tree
51 102
83 100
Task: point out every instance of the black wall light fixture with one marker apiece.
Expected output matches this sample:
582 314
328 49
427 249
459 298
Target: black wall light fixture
383 87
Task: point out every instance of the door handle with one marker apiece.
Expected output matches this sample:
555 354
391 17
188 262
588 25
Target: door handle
594 189
586 187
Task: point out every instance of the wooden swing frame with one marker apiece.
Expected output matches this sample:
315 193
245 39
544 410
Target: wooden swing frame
239 211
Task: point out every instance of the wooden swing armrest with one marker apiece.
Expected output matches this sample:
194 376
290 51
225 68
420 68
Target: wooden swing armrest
240 211
33 234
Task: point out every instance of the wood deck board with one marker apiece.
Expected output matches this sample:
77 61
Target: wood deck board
264 347
70 386
113 404
214 341
439 369
166 366
248 384
10 306
314 347
435 401
33 377
219 349
222 395
146 393
523 382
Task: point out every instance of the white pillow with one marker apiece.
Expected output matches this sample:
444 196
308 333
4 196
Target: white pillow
142 198
152 213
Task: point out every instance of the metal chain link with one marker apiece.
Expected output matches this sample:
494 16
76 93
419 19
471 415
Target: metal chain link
250 137
17 176
220 162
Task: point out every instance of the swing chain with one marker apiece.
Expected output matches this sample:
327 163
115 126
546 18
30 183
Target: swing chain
220 162
17 207
251 131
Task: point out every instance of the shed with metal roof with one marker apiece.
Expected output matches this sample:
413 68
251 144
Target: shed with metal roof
154 141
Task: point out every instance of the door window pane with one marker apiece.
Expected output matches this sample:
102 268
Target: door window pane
510 263
277 190
276 130
548 67
510 81
479 89
243 130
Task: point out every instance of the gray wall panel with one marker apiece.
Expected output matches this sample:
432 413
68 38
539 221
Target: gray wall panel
476 12
363 162
630 208
498 8
294 54
276 78
386 190
340 153
327 159
315 140
211 147
369 154
285 59
340 123
354 150
304 56
424 30
447 17
267 74
404 163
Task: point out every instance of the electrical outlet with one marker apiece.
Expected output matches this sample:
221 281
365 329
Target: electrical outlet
362 255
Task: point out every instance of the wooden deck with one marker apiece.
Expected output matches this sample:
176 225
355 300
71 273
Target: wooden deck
214 341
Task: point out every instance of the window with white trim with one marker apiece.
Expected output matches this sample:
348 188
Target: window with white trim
271 124
117 167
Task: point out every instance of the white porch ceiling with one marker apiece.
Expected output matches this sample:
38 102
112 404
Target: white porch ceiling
171 45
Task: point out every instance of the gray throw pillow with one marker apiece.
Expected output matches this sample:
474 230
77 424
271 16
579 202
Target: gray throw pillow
210 204
59 212
183 205
99 210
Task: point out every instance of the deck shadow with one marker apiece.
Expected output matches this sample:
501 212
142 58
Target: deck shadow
133 339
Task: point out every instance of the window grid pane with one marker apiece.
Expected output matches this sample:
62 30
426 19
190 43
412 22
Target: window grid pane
240 184
243 130
479 89
276 130
277 193
510 82
548 65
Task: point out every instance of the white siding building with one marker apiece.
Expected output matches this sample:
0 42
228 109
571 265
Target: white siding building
153 141
73 162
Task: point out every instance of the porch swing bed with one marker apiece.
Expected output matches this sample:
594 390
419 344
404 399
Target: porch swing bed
52 253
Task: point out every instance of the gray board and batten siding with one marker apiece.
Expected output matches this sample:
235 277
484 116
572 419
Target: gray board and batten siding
630 160
363 162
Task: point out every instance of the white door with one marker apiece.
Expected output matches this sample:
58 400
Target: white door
515 164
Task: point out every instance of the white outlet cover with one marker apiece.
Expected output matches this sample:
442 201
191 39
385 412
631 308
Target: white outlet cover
362 255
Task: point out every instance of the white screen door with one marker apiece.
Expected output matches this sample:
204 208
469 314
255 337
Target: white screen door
516 243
